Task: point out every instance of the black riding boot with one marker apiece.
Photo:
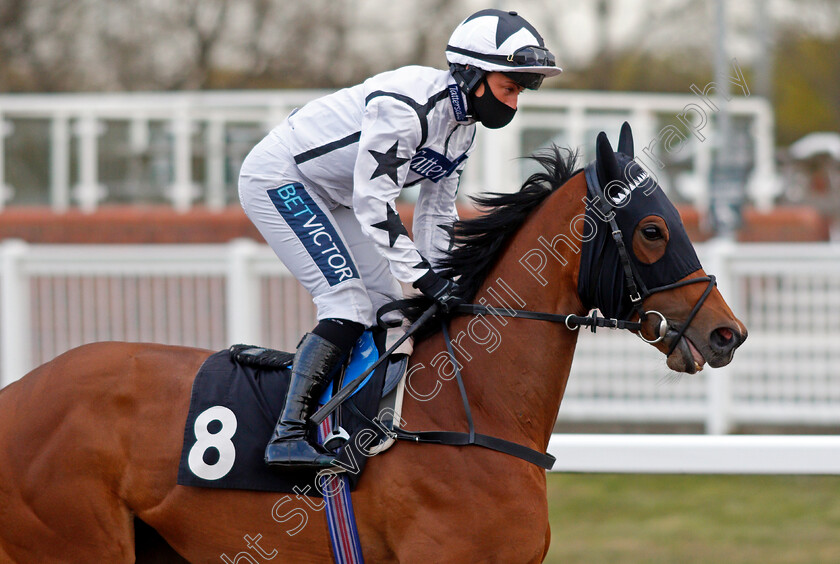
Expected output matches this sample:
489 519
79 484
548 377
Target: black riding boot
314 361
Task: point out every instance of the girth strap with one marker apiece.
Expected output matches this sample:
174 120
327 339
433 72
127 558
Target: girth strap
454 438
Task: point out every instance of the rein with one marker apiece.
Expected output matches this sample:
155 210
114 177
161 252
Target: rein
637 293
572 322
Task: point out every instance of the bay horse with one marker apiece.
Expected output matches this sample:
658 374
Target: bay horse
91 440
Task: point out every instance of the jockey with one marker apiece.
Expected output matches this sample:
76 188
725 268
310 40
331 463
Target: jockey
321 186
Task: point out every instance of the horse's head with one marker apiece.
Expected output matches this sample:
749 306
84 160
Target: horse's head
638 261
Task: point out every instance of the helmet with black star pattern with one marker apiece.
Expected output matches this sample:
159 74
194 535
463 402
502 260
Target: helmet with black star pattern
499 41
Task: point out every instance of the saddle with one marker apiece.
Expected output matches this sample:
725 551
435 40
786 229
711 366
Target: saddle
238 394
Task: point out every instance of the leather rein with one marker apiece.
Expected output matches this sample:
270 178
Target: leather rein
637 292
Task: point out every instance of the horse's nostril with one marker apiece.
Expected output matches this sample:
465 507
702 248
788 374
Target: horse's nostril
723 339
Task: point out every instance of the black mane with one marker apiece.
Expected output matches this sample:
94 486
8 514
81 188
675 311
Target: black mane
476 242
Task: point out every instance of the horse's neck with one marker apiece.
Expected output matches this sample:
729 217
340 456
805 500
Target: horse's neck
515 370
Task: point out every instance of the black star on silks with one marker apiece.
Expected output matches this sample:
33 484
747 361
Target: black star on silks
422 265
388 162
392 224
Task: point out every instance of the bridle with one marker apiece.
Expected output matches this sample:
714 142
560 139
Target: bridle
636 289
634 284
637 292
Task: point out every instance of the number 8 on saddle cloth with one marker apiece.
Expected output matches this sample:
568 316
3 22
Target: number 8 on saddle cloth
247 384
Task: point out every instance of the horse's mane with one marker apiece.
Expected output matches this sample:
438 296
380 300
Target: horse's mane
476 242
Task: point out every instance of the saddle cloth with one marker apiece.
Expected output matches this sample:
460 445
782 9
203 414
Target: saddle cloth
234 407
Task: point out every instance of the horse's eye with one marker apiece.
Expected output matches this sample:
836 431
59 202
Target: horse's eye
652 233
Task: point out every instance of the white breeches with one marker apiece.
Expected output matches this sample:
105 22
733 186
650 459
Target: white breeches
325 249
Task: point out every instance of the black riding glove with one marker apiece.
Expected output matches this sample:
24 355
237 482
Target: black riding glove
443 290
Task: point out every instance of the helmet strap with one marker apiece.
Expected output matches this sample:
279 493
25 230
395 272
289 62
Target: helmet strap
466 77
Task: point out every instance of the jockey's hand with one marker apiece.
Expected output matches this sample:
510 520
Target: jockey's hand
443 290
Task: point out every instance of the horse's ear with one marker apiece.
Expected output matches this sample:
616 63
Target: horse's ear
625 140
605 164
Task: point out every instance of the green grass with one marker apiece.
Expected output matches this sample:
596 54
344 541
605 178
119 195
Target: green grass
611 518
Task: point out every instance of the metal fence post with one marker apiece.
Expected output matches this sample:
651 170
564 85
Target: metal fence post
89 192
215 163
183 191
6 191
498 159
243 294
718 381
15 345
60 163
577 130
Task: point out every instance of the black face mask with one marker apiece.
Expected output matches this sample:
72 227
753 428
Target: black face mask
602 282
489 110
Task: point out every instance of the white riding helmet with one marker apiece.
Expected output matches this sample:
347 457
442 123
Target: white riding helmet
499 41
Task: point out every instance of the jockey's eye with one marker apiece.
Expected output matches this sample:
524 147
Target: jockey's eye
652 232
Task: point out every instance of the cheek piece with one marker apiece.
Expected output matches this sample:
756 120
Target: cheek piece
489 110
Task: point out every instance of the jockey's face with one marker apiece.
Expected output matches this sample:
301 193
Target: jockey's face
504 89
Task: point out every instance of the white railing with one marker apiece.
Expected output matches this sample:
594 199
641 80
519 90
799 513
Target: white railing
786 372
55 297
186 148
696 454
